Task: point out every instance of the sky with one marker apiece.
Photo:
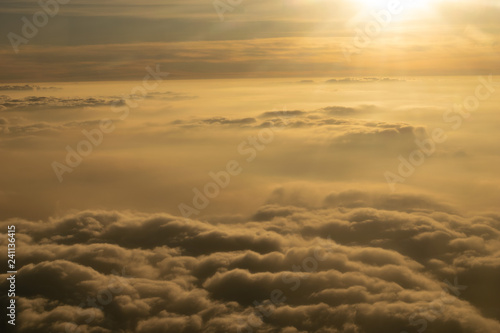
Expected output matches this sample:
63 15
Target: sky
292 166
115 40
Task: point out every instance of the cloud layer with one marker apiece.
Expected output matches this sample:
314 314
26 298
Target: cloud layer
360 262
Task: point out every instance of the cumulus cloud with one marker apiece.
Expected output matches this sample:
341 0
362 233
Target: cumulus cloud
353 262
326 117
341 128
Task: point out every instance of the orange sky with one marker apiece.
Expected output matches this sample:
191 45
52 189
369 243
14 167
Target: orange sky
88 40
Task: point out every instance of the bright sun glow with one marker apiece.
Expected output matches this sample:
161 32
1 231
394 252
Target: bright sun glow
400 9
405 4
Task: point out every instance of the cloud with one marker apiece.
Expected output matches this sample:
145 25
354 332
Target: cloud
399 202
26 87
364 80
339 110
264 53
355 261
158 95
44 129
348 111
170 96
29 103
226 121
331 120
294 113
37 129
42 102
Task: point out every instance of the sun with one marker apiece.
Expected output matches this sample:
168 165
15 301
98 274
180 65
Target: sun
396 4
400 9
374 3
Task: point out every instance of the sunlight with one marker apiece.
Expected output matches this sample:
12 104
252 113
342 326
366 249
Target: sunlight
398 10
406 4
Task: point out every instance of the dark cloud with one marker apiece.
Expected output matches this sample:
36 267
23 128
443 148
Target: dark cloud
363 80
26 87
239 122
226 121
355 262
42 102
